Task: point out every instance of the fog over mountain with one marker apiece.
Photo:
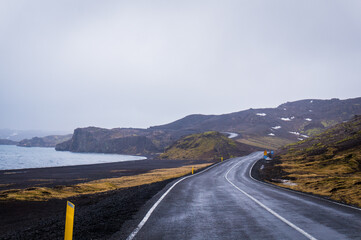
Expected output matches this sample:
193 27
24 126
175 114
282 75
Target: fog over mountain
66 64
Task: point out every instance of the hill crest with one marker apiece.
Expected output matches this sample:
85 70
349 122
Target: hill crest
206 146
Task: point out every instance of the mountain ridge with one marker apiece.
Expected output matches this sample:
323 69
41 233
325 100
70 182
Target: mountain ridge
264 127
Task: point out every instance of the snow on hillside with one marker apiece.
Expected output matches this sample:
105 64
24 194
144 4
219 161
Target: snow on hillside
231 135
285 119
295 133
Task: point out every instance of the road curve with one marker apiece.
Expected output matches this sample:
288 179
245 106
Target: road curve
225 202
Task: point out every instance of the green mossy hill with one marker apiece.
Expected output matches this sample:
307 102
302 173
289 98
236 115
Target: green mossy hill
328 164
206 146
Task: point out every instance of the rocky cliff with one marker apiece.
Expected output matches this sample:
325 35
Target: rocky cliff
109 141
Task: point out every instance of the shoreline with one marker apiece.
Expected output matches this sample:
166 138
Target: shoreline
18 158
75 174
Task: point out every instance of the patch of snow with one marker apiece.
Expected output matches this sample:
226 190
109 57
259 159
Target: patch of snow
231 135
305 136
308 119
293 117
285 109
262 167
271 134
310 110
301 139
261 114
311 101
276 127
285 119
288 182
295 133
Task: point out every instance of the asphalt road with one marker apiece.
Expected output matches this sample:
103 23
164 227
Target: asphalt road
224 202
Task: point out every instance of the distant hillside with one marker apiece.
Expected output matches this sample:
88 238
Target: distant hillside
268 128
273 127
7 142
328 164
206 146
48 141
18 135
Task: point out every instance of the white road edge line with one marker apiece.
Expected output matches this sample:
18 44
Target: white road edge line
268 209
146 217
300 193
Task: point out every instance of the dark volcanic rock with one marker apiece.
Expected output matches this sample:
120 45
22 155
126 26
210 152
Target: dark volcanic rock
107 141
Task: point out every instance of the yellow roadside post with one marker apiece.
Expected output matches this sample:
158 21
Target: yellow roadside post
69 221
221 159
192 170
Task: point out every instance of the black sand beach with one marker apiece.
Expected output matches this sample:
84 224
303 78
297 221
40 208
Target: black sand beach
97 216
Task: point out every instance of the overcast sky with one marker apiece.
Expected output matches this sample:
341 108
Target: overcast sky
67 64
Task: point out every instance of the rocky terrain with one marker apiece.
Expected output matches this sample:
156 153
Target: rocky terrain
206 146
266 128
48 141
328 164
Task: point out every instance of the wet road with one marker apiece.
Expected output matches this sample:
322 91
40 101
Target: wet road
224 202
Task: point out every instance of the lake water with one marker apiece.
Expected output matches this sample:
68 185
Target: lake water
13 157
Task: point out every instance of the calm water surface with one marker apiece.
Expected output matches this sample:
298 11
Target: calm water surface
13 157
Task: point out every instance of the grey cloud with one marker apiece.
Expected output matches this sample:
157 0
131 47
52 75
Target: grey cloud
66 64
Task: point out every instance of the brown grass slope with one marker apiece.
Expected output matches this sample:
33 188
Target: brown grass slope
206 146
97 186
328 164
